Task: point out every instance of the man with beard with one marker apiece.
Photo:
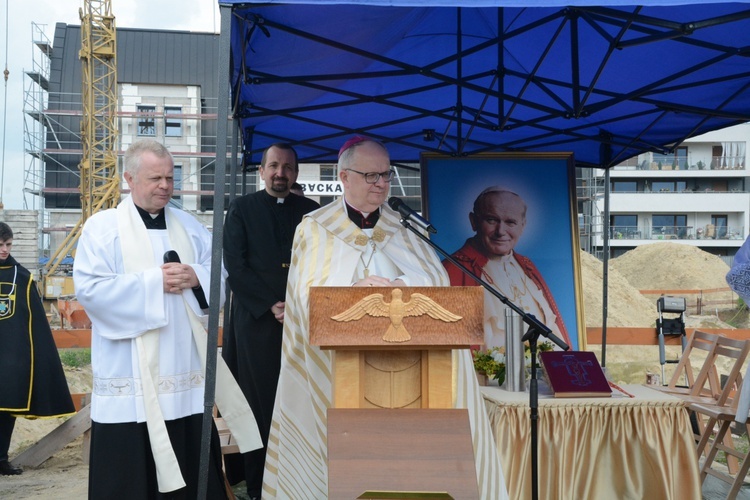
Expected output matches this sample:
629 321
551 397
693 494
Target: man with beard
258 233
33 379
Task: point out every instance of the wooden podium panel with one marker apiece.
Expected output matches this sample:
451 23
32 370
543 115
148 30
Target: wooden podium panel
394 344
444 317
428 451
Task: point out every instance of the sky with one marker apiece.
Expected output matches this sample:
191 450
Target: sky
16 47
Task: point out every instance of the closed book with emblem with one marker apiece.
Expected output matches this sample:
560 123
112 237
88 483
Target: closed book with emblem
574 374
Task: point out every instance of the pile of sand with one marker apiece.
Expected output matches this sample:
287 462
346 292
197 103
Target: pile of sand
671 266
625 305
655 266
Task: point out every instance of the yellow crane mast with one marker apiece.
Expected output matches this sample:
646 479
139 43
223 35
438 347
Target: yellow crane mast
99 177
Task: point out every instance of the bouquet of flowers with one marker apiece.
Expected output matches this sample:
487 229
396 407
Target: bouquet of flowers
491 362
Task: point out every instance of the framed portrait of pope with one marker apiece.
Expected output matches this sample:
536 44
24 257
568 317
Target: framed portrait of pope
511 219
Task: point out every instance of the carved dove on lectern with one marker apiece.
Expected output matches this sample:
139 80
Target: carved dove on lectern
375 305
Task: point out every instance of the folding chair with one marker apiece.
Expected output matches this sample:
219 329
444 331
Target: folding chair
721 388
713 405
725 416
684 380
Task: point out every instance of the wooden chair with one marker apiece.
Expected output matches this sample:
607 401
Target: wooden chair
725 417
719 388
685 381
228 445
707 387
717 400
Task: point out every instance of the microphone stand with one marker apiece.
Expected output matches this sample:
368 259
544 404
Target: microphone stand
536 328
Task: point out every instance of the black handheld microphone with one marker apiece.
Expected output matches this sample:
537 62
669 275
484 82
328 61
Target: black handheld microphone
410 215
171 256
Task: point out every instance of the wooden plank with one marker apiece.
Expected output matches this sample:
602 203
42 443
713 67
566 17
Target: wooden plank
648 336
56 440
69 338
400 451
81 399
66 338
684 292
228 443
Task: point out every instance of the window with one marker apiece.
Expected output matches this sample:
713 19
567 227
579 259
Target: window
668 186
720 224
172 124
146 120
673 161
177 181
624 186
623 227
669 226
617 251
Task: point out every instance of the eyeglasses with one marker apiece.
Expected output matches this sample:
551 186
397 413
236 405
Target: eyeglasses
373 177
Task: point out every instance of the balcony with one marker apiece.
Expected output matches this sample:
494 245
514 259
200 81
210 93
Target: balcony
710 232
707 232
690 162
625 233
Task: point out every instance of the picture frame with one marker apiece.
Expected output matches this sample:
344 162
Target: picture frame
546 182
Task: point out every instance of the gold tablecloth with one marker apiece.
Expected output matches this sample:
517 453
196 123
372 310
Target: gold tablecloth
597 448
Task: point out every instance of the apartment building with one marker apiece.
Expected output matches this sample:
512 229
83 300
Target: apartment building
696 194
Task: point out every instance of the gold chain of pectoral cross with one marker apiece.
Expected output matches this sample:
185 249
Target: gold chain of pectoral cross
367 265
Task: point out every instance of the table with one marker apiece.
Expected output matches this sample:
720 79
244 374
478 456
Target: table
619 447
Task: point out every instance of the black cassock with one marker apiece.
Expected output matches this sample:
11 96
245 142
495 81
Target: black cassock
258 235
33 380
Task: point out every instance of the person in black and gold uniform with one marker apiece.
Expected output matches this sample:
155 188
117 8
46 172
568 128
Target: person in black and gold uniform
33 379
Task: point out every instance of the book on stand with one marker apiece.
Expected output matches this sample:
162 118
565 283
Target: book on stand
574 374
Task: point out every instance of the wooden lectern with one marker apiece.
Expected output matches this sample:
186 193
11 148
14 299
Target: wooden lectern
393 356
393 345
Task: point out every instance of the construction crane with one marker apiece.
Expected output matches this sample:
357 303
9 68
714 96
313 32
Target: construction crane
99 177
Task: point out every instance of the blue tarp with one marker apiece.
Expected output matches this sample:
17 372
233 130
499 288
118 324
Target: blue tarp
606 82
66 261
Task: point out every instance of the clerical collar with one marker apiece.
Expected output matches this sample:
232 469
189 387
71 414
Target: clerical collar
152 221
361 220
274 199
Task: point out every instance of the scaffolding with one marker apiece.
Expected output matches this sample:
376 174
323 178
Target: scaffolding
589 189
36 88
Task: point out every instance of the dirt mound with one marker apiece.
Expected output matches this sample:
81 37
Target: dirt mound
657 266
671 266
625 305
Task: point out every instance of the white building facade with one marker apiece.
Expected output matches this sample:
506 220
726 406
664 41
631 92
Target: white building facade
696 195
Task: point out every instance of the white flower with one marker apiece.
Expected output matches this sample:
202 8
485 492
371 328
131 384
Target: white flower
499 357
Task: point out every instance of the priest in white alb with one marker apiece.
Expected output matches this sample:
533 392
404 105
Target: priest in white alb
148 344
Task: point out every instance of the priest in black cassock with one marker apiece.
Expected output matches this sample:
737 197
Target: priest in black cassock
258 233
33 379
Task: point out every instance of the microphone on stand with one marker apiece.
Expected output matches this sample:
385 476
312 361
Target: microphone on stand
408 214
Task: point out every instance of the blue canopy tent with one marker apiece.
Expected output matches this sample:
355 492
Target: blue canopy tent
605 82
459 77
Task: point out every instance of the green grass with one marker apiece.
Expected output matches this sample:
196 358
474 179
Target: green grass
75 358
738 317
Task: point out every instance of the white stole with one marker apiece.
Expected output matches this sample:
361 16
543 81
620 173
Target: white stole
137 256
